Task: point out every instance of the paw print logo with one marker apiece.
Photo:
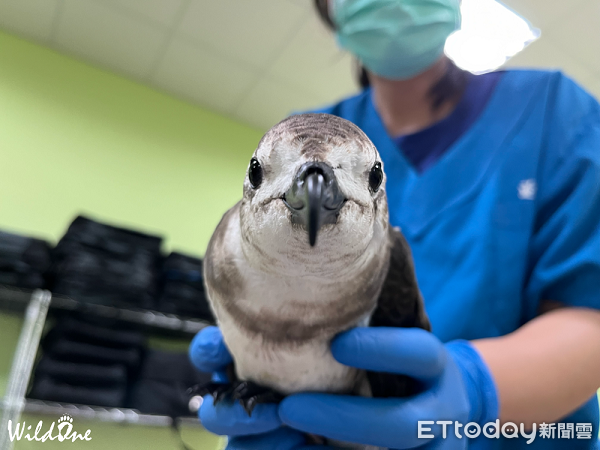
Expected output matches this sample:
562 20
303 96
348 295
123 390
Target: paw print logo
65 422
65 418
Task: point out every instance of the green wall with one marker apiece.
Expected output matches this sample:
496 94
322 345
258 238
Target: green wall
76 139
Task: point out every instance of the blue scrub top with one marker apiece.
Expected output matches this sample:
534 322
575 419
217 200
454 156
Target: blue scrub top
423 148
507 217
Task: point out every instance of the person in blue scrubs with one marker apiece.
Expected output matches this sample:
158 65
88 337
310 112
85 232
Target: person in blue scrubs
495 182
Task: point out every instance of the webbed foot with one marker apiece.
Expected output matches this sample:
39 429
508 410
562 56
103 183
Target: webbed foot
248 393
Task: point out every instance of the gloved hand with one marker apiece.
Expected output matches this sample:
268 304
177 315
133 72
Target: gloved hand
263 430
208 353
457 387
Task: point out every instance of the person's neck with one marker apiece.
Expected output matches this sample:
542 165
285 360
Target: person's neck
405 105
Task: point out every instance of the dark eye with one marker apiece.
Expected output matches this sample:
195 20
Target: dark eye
375 177
255 173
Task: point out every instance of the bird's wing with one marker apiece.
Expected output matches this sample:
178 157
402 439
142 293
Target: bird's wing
400 305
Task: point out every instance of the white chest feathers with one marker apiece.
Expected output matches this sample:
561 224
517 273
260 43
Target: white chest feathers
288 367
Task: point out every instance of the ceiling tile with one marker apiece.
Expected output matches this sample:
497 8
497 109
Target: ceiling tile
313 63
260 60
271 101
542 13
579 34
162 12
98 33
29 18
544 53
203 76
251 31
308 5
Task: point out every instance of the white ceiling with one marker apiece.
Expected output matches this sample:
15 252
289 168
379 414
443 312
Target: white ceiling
259 60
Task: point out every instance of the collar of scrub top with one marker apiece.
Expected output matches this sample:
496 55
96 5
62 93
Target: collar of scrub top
419 198
425 147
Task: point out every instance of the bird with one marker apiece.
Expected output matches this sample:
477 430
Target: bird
306 254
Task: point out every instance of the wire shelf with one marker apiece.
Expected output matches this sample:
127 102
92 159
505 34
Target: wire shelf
12 297
125 416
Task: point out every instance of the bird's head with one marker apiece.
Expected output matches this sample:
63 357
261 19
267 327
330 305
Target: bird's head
315 183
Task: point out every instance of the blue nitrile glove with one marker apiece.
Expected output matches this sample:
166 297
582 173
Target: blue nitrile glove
208 353
458 387
262 431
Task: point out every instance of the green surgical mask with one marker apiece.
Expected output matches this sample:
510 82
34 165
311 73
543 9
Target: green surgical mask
395 39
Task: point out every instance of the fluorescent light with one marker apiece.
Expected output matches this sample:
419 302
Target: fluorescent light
490 35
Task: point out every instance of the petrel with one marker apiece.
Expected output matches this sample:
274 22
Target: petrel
306 254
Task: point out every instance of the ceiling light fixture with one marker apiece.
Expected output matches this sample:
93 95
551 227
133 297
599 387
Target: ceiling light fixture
490 35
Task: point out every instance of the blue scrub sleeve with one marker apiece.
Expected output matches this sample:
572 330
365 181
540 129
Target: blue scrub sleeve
565 246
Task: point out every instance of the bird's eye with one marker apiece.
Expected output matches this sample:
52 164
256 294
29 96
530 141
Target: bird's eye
255 173
375 177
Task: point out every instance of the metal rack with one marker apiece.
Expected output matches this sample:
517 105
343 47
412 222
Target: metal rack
115 415
36 305
13 298
20 373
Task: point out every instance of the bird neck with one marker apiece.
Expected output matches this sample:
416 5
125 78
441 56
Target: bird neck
405 106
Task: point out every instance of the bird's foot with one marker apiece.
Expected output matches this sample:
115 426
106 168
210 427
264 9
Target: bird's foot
219 391
249 394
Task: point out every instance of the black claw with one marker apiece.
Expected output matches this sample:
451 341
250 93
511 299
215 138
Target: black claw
222 394
200 389
246 389
249 394
249 404
219 391
240 391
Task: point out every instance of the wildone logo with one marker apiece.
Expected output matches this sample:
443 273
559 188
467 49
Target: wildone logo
64 431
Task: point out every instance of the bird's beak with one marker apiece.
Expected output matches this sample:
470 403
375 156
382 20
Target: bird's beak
314 198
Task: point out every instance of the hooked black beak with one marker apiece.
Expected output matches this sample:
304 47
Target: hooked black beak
314 198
